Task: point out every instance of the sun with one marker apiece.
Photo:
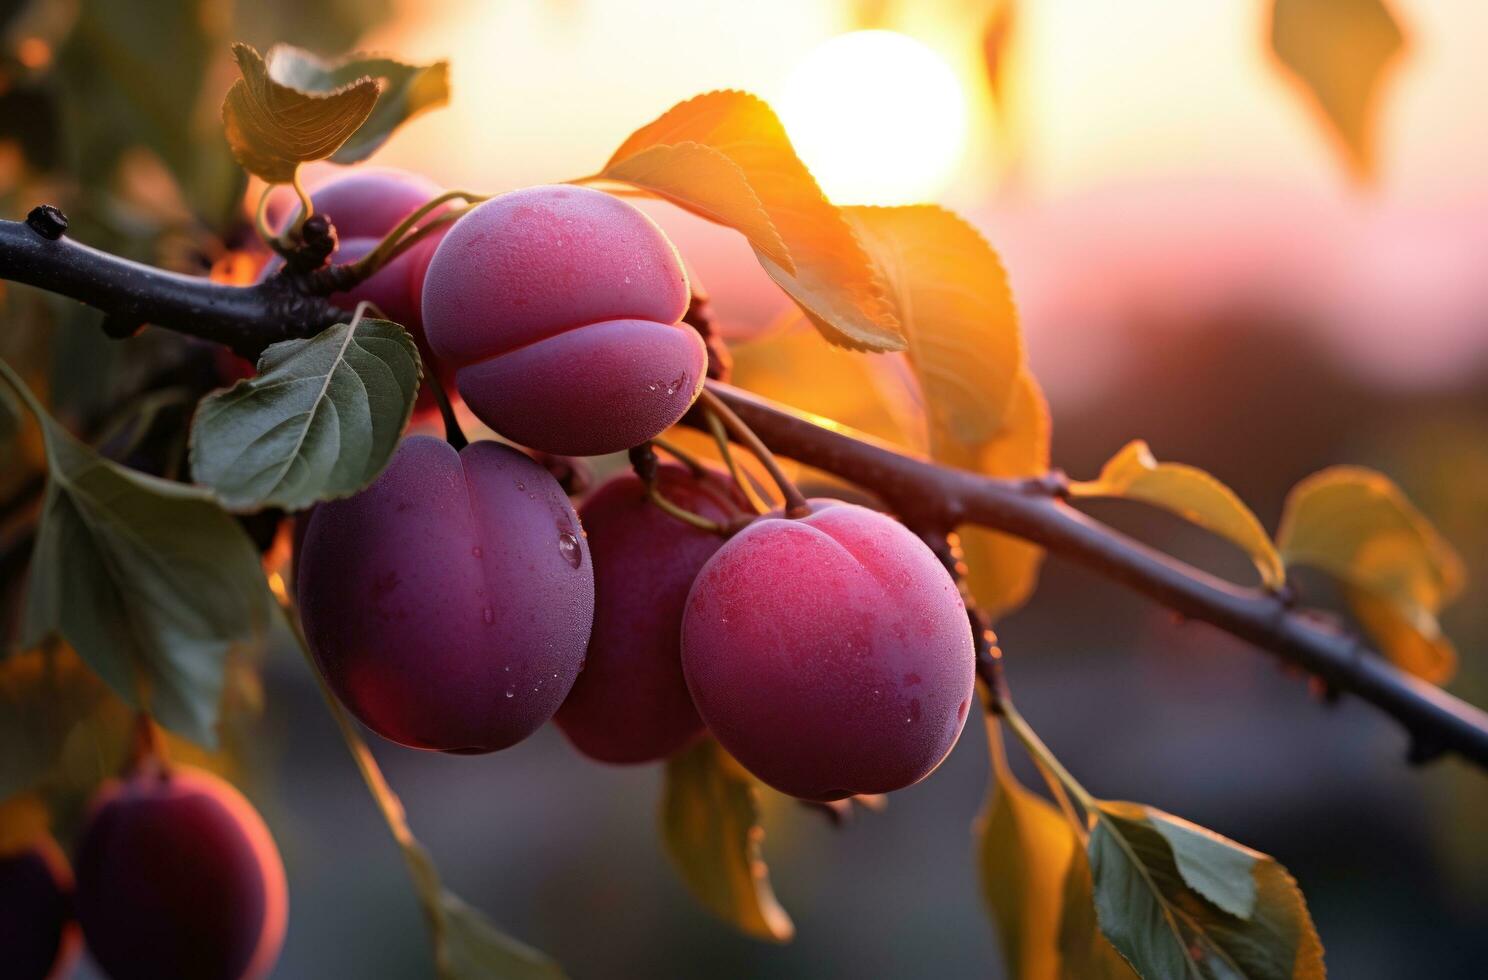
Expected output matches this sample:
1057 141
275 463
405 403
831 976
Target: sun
878 117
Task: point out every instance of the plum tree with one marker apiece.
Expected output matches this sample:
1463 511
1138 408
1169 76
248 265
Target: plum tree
559 306
37 937
449 603
630 703
177 877
831 655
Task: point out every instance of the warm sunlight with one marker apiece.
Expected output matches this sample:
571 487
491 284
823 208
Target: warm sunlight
877 116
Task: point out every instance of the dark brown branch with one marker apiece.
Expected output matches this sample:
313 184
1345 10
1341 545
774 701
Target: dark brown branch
931 498
927 495
245 318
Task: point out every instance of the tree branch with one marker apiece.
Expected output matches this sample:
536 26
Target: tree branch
931 498
130 294
928 495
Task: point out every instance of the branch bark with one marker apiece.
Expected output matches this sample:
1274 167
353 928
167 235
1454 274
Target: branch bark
130 294
929 497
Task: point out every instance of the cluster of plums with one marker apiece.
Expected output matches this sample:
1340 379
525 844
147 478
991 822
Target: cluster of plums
177 878
460 602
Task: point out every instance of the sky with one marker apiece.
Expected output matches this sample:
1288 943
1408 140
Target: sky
1164 164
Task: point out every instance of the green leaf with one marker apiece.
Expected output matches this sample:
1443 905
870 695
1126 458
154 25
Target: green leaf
710 827
1338 51
1189 492
128 80
1151 912
272 128
1024 847
320 420
951 297
714 186
830 276
407 90
43 693
1084 951
150 581
1358 526
467 946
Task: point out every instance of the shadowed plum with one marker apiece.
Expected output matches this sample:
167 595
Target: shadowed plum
631 704
37 937
177 877
364 207
830 655
559 306
449 603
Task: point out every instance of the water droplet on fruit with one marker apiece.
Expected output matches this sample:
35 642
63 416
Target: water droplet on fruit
651 387
476 552
507 668
627 280
568 547
489 615
511 693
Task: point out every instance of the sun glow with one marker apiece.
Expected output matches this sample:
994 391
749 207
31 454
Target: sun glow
877 116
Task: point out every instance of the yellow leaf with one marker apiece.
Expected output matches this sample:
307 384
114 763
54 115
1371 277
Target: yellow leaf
1024 847
1192 494
714 186
1338 51
1413 642
1356 525
951 296
710 826
273 128
832 279
1001 570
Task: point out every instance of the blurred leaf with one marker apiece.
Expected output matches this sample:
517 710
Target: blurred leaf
407 90
1084 951
44 692
466 945
272 127
714 186
997 37
1156 878
320 419
1002 570
1024 846
833 280
150 581
1357 525
133 78
1189 492
950 294
329 25
1338 51
710 826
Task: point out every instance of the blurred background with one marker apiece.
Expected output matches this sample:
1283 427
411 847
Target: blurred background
1201 259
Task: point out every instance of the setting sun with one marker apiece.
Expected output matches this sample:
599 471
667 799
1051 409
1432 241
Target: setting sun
878 117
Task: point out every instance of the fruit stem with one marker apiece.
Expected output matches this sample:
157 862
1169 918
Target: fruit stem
1044 757
746 486
395 241
795 503
453 434
147 748
643 461
682 456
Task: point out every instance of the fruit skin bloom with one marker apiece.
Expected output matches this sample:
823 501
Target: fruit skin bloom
178 879
449 604
559 306
830 655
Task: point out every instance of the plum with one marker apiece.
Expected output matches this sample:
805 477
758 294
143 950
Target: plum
631 704
559 308
449 603
177 877
831 654
38 938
